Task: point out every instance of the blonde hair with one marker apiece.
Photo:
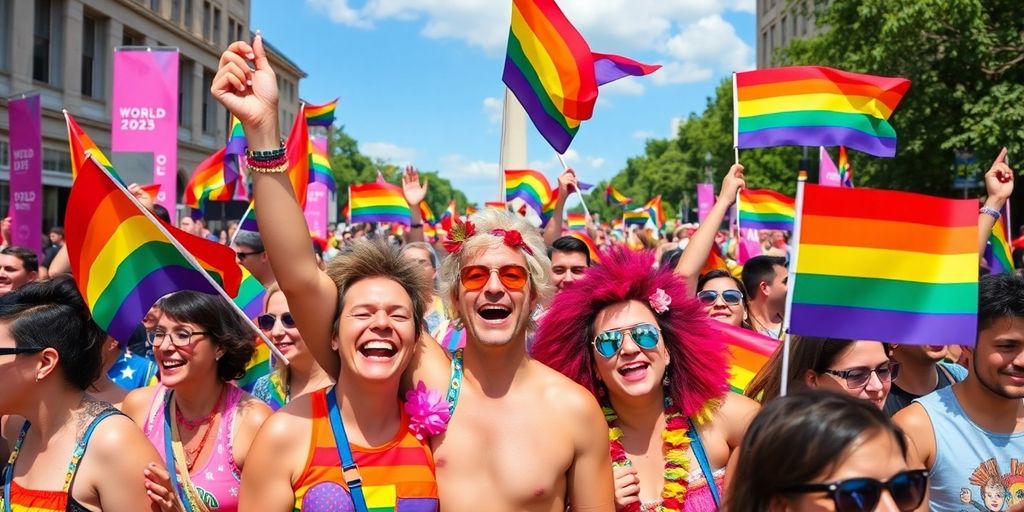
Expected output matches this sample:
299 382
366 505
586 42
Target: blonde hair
538 265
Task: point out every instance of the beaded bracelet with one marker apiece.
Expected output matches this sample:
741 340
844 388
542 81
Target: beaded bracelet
267 163
265 155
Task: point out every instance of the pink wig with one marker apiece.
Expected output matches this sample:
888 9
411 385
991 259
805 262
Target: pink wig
698 372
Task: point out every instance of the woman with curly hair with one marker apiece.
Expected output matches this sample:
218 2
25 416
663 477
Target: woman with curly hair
201 424
635 338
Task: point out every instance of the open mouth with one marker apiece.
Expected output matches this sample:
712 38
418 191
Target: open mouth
284 344
494 312
378 349
172 364
633 368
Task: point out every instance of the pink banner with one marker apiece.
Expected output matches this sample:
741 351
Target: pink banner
705 200
750 245
26 181
145 113
828 174
316 209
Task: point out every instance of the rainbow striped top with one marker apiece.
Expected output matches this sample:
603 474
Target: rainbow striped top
397 477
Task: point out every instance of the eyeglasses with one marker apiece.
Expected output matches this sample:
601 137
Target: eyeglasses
730 297
8 351
609 342
475 277
179 337
907 489
857 378
267 321
242 255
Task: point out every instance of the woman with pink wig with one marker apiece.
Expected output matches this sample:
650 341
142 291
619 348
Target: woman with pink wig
635 338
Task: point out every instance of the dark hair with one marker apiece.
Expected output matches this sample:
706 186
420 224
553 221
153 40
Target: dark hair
702 281
58 230
213 314
53 314
806 353
826 424
161 213
569 244
670 258
999 295
28 258
760 269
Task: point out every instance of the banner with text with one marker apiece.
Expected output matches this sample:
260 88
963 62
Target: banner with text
26 182
705 200
145 112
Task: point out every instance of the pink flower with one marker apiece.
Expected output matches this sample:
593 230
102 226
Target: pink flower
659 301
428 412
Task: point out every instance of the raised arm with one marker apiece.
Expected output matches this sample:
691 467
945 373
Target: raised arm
246 85
566 184
415 193
999 187
696 252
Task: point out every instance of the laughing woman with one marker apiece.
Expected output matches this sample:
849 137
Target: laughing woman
201 424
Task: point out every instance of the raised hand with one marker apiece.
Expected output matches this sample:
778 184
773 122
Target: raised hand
413 190
247 86
731 184
144 198
999 178
567 183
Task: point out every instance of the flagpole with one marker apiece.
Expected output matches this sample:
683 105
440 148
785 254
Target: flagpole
786 320
191 259
577 188
735 120
239 228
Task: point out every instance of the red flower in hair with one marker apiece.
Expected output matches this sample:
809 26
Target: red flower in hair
459 232
512 238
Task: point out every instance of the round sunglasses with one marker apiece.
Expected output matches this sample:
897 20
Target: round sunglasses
857 378
475 277
907 489
730 297
267 321
608 343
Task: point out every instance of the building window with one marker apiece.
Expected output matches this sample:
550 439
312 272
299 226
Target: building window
216 26
188 15
130 38
57 160
176 11
207 8
5 150
231 28
209 105
154 5
764 49
782 28
185 93
5 31
92 55
240 35
41 44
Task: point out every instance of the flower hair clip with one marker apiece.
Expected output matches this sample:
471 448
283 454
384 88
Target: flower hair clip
512 238
459 233
659 301
428 412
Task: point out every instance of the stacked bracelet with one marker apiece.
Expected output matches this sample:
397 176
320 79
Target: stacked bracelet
272 161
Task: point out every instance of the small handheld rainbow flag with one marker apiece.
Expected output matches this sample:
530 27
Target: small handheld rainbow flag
234 151
612 196
124 259
766 209
319 163
845 172
426 213
577 221
998 255
430 231
816 106
251 295
657 212
595 255
749 351
321 115
208 182
297 151
865 270
378 202
80 143
638 217
530 186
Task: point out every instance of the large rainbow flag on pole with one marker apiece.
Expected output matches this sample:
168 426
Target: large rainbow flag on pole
321 115
124 259
816 106
378 202
866 270
530 186
766 209
749 351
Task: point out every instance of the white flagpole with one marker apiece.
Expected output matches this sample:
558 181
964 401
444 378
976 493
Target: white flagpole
786 320
191 259
578 193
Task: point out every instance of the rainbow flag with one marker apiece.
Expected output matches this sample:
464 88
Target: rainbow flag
297 151
234 151
609 68
638 217
998 255
80 143
430 231
549 68
378 202
868 271
530 186
123 262
259 366
816 106
151 190
426 213
449 215
657 212
845 172
549 209
714 261
766 209
612 196
577 221
595 255
319 163
251 295
321 115
248 221
749 351
209 182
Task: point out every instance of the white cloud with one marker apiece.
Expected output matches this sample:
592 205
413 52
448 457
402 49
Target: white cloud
595 162
456 166
493 109
340 12
628 86
711 39
643 134
388 152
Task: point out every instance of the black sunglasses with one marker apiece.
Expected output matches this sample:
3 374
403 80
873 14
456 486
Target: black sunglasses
857 378
907 489
9 351
267 321
730 297
242 255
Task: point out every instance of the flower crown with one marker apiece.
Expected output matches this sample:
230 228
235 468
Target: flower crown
462 231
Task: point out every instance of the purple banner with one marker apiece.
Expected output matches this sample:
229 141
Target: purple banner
26 160
316 209
145 113
705 200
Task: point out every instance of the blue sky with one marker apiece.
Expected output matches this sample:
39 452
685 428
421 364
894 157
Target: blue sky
420 80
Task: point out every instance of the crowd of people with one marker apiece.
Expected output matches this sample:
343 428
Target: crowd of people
576 381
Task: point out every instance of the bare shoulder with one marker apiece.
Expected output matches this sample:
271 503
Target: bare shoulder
252 412
136 404
917 427
117 437
738 408
562 392
289 427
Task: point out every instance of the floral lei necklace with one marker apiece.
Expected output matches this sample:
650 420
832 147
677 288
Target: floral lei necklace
677 464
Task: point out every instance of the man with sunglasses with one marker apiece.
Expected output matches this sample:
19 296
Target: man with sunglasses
968 431
250 253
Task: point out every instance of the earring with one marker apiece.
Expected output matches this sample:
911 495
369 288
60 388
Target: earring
664 381
38 378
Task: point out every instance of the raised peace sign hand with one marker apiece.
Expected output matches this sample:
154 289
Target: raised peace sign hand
249 92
